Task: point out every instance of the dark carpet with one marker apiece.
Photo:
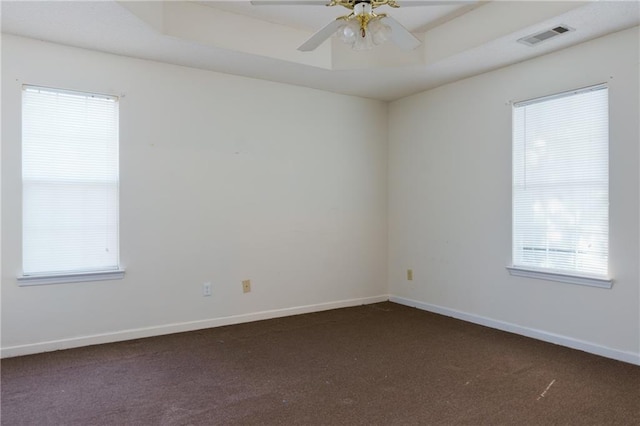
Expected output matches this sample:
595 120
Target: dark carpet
375 364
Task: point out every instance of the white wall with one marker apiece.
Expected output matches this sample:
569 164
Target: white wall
450 201
223 179
226 178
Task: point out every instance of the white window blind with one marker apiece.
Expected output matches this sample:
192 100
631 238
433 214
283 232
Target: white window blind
69 181
561 182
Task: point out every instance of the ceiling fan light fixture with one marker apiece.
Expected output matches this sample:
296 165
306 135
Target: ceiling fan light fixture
364 41
363 32
362 28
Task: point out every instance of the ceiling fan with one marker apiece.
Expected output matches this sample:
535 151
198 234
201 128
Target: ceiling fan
362 28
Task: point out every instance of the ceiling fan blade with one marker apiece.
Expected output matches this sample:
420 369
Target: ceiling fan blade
409 3
401 3
290 2
400 35
318 38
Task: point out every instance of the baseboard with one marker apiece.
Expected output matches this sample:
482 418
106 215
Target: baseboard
139 333
97 339
630 357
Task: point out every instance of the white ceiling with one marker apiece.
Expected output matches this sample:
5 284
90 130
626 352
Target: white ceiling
312 18
260 41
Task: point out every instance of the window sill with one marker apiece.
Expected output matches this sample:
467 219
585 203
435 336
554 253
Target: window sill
541 274
27 280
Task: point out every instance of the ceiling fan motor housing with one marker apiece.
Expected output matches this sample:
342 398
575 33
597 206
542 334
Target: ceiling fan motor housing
362 8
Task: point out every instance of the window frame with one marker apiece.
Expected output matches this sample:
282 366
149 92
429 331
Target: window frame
565 276
80 275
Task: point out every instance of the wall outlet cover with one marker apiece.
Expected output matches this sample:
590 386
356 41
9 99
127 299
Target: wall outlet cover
206 289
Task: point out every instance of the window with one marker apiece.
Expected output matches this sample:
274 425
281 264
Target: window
70 186
561 187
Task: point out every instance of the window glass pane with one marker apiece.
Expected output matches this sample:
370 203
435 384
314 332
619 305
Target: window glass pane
561 183
70 181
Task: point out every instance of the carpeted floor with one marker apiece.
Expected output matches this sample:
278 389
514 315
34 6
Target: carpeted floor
376 364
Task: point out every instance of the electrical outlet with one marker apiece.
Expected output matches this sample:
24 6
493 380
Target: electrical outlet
409 274
246 286
206 289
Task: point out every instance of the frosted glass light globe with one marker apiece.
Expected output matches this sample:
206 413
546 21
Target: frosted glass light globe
348 32
363 43
380 31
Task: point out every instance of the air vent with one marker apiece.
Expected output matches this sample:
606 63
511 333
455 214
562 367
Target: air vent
544 35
